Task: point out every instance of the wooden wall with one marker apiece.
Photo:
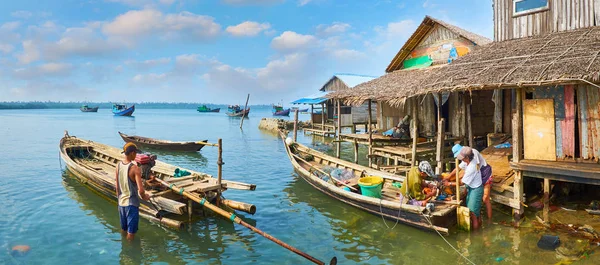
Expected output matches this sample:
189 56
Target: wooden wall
334 84
440 45
562 15
482 112
389 116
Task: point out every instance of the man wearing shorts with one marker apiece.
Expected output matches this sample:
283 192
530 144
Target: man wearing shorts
129 190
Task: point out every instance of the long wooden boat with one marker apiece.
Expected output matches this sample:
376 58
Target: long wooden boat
164 145
122 110
85 108
278 110
94 164
310 164
204 108
237 112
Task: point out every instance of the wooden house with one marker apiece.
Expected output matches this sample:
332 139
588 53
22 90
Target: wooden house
544 67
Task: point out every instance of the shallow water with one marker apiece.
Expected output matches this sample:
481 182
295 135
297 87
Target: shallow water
64 222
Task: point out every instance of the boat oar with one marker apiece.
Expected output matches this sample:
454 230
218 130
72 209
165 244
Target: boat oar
238 220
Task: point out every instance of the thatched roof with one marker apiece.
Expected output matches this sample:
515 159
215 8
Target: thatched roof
422 31
551 59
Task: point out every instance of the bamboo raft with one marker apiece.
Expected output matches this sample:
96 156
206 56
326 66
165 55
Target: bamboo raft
164 145
94 164
389 206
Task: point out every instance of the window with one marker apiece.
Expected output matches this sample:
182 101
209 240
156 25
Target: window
529 6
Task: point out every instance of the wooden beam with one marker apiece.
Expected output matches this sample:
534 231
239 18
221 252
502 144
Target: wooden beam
546 199
369 123
469 123
295 125
517 134
415 132
498 103
339 129
440 137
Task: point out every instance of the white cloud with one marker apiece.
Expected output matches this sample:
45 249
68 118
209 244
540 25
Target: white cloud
46 90
347 54
22 14
400 29
303 2
6 48
252 2
428 4
137 24
30 52
43 71
335 28
247 29
142 3
148 64
149 79
81 42
10 26
290 40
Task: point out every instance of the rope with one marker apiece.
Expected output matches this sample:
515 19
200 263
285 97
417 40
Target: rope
442 236
397 218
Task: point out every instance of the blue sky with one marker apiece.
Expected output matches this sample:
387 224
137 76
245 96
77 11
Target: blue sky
206 51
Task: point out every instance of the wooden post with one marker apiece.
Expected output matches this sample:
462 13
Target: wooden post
415 131
355 151
339 130
295 125
369 122
440 137
189 208
323 116
245 107
546 199
464 120
220 167
498 103
518 153
312 122
469 124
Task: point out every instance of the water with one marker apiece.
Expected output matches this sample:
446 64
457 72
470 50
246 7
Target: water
66 223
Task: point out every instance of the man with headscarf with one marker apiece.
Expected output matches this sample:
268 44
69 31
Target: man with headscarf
415 190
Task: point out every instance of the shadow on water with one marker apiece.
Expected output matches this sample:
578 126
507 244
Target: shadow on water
205 240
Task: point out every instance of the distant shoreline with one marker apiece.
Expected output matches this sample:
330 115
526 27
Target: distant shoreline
108 105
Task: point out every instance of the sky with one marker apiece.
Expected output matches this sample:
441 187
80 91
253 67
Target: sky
213 51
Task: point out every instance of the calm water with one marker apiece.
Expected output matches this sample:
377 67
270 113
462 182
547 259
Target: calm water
66 223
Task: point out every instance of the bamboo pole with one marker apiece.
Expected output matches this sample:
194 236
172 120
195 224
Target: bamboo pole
355 151
518 153
240 206
369 122
546 199
322 116
245 108
440 137
339 130
220 168
237 220
469 124
295 125
415 131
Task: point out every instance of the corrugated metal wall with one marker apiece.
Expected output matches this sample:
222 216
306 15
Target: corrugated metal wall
562 15
588 99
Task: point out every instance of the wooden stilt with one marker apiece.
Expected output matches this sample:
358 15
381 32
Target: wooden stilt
546 199
220 167
312 111
469 124
370 131
355 151
189 210
440 137
518 153
339 130
295 125
498 102
245 108
322 116
464 111
415 130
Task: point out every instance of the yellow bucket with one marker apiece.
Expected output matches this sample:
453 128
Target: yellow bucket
371 186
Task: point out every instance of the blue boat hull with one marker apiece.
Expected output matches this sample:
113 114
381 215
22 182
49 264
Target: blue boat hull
125 112
282 113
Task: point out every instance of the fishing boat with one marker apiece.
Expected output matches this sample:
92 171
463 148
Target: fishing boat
122 110
311 166
85 108
303 110
278 110
164 145
204 108
94 164
237 111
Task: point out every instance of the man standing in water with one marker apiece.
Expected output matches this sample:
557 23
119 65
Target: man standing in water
129 190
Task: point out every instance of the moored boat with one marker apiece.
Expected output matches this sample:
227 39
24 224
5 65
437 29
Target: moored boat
237 111
122 110
204 108
311 166
278 110
85 108
145 142
94 164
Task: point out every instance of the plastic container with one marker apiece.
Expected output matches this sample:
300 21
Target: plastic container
371 186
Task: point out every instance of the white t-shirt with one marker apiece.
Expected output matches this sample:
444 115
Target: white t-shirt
472 177
477 159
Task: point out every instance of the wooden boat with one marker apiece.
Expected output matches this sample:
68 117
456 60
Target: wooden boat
94 164
278 110
204 108
122 110
85 108
310 164
236 111
164 145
